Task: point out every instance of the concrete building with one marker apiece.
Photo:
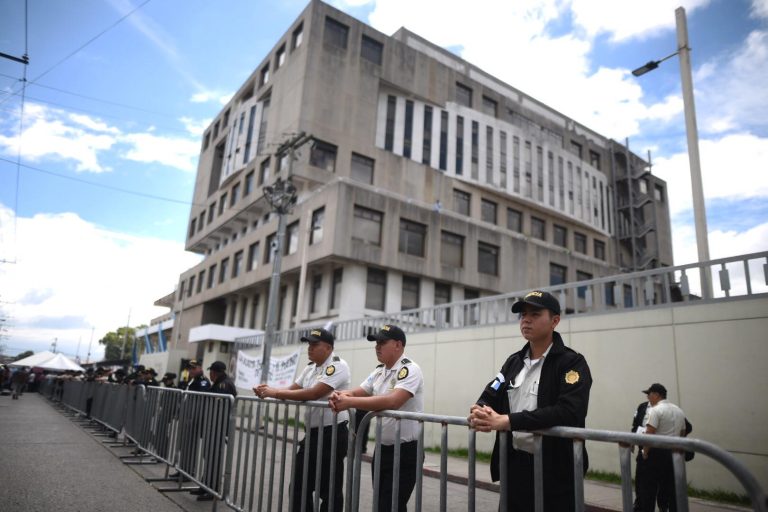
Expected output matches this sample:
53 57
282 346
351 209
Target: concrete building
427 181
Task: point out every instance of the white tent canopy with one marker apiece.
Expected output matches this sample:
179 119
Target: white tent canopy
34 359
60 362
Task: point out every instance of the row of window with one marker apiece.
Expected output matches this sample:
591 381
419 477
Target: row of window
492 152
336 35
376 291
489 212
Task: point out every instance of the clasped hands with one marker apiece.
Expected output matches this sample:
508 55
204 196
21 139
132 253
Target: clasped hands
338 401
484 419
264 391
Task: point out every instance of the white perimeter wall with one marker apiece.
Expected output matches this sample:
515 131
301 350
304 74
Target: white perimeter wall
711 357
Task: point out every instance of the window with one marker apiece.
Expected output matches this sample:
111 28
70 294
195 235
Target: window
556 274
487 259
628 296
488 211
475 150
371 50
528 157
211 212
580 243
426 147
643 186
410 295
389 131
490 106
297 37
323 155
264 75
514 220
560 236
463 95
211 275
581 291
264 172
451 249
443 140
408 129
362 168
223 270
317 284
249 136
200 281
489 155
191 286
503 160
576 149
253 256
658 193
192 227
412 237
335 33
366 225
269 248
461 201
335 299
316 234
206 140
291 243
610 296
280 57
237 264
594 159
235 195
443 296
599 250
248 188
538 228
222 202
459 145
516 163
261 142
201 221
376 289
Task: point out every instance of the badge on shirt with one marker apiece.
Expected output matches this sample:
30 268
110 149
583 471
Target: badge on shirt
403 373
330 370
572 377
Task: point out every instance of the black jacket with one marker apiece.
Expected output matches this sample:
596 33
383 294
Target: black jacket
563 397
199 383
224 386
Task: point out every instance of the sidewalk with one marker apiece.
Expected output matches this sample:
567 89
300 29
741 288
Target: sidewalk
598 496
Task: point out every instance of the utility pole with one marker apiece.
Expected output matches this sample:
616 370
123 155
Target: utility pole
53 345
282 197
88 357
125 334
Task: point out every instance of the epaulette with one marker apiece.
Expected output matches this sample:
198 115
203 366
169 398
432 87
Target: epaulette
310 363
380 365
336 359
405 360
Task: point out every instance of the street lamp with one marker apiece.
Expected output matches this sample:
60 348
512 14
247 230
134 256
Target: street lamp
281 196
697 188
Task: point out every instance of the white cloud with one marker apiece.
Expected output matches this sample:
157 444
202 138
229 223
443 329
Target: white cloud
205 96
195 127
759 9
93 279
177 152
733 167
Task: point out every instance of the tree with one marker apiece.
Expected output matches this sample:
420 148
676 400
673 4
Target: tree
113 343
21 356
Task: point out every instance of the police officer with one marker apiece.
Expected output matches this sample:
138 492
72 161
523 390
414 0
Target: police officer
222 384
149 377
197 381
168 380
397 383
543 385
325 373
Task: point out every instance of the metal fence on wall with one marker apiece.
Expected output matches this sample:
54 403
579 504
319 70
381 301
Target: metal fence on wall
243 451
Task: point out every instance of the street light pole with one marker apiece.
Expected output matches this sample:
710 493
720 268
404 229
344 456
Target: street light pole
282 197
692 134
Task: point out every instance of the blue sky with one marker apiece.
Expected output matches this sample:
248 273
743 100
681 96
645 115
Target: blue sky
126 111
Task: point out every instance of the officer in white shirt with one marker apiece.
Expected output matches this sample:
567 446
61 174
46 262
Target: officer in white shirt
396 384
658 482
326 373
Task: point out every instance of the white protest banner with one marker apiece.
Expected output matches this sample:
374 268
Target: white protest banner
281 370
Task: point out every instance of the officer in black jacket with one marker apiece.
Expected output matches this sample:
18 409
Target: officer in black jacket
221 382
545 384
197 381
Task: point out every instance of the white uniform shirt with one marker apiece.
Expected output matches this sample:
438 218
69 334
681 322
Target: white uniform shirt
667 418
524 395
405 374
334 372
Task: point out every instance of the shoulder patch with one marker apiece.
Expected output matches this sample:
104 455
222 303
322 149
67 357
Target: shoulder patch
405 360
336 358
403 373
572 377
330 370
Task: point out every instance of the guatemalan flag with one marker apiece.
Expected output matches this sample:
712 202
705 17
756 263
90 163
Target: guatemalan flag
161 346
147 343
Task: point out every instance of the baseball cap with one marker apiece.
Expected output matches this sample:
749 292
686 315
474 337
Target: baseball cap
656 388
218 366
193 363
169 375
388 332
319 335
538 299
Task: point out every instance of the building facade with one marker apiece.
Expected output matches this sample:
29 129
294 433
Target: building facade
426 181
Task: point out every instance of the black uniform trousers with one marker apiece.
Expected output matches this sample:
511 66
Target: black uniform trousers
520 485
342 433
658 482
408 466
